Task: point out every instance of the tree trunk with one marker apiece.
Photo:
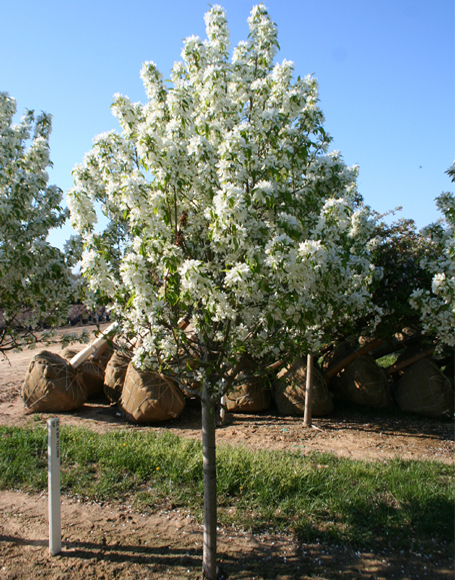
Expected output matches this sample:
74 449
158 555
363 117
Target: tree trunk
409 361
308 391
389 348
95 348
335 369
209 465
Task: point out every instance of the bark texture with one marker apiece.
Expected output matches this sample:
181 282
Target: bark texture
209 568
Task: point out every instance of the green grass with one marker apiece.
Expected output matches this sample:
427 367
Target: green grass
387 360
365 504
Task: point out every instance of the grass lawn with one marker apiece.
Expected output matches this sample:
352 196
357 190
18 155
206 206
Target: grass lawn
361 503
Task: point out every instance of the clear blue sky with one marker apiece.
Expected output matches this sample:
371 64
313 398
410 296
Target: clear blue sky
385 68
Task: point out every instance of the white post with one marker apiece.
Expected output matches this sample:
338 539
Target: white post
53 451
222 409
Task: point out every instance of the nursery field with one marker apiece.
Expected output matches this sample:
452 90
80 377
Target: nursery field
362 494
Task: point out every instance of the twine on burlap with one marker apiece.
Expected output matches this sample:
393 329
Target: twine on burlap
52 385
363 382
114 376
290 388
91 370
425 390
252 396
333 357
150 397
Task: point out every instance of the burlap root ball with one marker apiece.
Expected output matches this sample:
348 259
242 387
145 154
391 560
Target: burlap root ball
333 357
449 371
251 396
114 376
52 385
363 382
425 390
92 370
289 391
150 397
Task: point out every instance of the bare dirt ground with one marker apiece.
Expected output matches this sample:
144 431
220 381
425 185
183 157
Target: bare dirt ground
115 541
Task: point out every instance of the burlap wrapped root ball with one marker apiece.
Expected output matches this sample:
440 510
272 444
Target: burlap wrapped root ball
114 375
363 382
52 385
333 357
188 361
289 391
92 369
409 352
251 394
150 397
449 371
425 390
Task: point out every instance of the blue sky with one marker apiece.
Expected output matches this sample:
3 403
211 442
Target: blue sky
385 69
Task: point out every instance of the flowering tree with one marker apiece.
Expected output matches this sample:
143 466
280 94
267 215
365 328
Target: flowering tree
437 307
225 209
35 281
397 255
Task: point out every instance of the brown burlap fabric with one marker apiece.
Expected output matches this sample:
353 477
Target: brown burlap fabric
114 376
409 352
449 371
363 382
251 396
102 359
150 397
290 389
92 370
425 390
52 385
343 350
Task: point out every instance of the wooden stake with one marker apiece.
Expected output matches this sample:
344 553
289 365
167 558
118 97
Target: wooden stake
308 391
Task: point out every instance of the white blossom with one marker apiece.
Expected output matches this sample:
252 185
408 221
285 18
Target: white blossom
437 308
35 278
225 206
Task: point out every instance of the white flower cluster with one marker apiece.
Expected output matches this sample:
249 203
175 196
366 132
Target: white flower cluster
225 207
437 308
35 281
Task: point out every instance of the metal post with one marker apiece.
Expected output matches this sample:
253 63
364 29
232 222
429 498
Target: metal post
53 451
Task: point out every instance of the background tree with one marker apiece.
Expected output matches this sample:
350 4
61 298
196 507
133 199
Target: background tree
398 256
35 285
437 307
227 211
